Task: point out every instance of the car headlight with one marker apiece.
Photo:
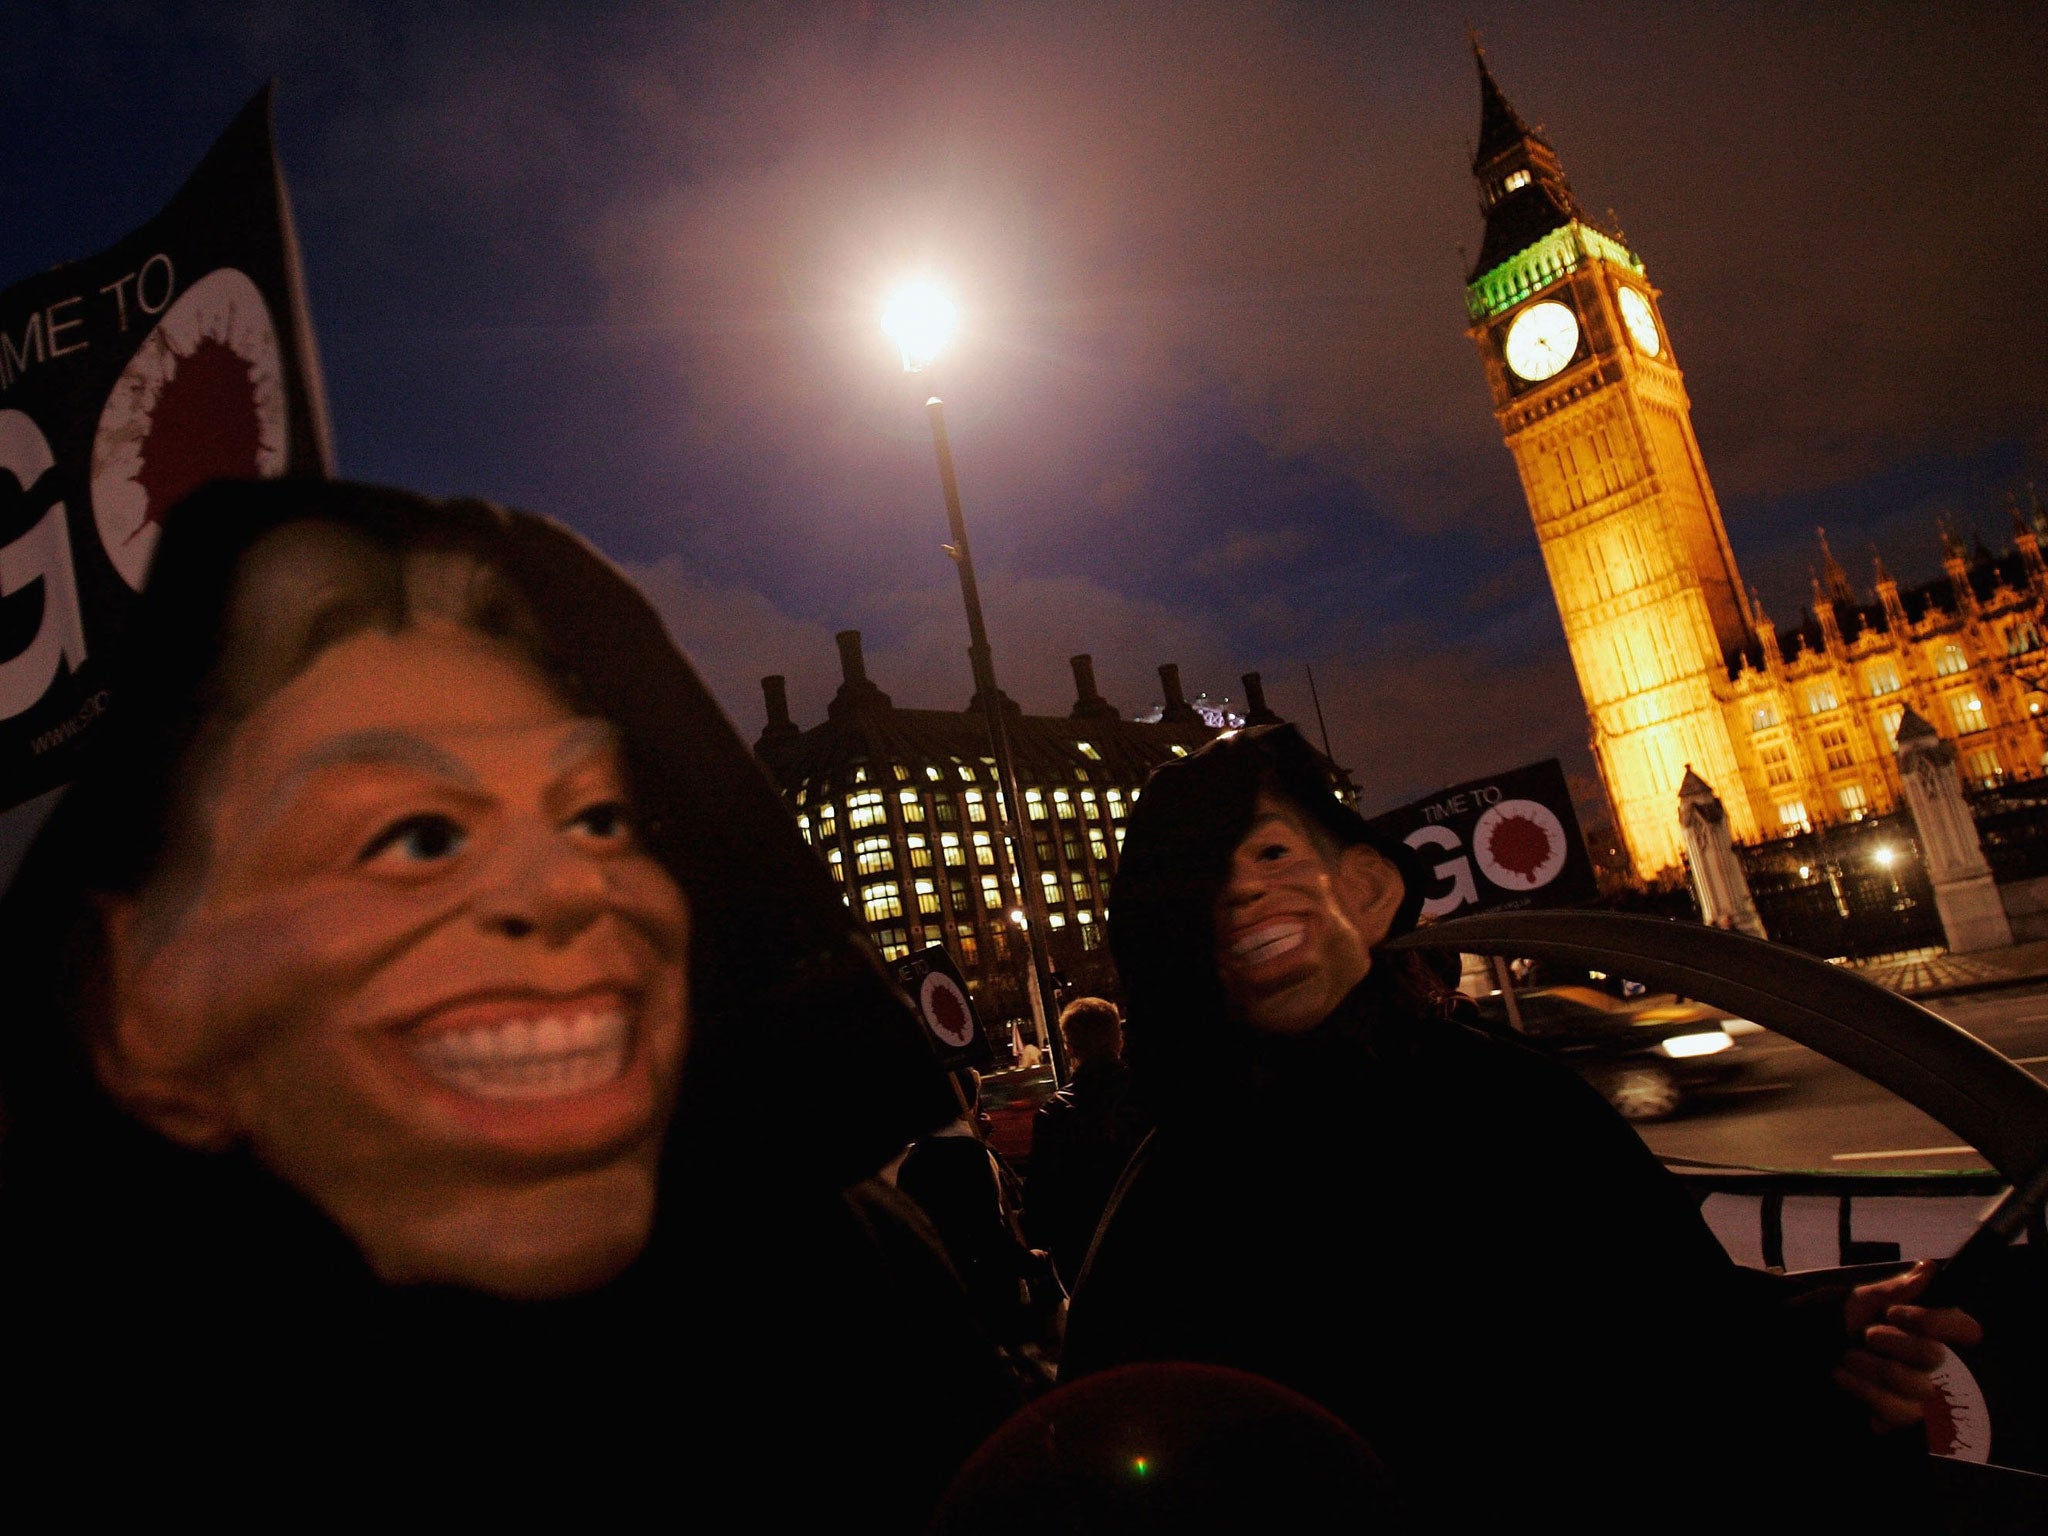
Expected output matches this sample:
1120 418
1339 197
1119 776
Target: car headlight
1705 1043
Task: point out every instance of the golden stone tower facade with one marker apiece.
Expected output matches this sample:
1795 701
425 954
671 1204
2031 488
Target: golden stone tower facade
1678 665
1593 406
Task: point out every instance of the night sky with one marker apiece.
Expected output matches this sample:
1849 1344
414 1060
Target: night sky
622 263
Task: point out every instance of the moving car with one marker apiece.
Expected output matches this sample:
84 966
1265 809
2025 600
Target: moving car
1649 1056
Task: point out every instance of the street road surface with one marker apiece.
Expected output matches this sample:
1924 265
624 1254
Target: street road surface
1796 1109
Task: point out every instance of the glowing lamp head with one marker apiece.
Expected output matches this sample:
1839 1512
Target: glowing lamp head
919 318
1883 857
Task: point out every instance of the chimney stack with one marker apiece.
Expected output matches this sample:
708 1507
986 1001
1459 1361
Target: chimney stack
853 666
855 691
780 728
1178 710
1089 704
1255 710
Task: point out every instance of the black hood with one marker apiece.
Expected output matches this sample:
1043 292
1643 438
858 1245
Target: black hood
1176 854
802 1049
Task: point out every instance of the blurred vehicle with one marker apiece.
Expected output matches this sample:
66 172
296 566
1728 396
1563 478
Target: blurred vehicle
1648 1055
1009 1098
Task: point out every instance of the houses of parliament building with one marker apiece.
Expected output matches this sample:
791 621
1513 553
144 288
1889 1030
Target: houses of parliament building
1678 662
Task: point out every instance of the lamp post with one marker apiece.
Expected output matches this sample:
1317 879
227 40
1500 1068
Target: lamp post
919 319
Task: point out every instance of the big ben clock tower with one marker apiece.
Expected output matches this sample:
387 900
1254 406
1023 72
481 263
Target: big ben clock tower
1592 405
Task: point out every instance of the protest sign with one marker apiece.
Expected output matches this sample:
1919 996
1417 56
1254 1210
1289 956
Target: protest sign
128 379
1498 843
945 1008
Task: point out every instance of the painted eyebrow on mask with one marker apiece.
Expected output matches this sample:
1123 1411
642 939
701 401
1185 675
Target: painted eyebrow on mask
395 749
586 740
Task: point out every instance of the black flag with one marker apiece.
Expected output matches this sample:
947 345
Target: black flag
128 379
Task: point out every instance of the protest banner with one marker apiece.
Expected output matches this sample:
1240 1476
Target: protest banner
127 380
1498 843
944 1007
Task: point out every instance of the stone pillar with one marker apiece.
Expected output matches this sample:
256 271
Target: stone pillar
1972 916
1717 878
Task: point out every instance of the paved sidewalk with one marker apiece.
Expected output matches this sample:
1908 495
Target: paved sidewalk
1937 973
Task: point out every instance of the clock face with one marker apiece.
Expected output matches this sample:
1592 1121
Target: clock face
1642 325
1542 340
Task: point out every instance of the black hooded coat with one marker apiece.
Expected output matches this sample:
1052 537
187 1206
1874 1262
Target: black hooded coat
1448 1240
185 1332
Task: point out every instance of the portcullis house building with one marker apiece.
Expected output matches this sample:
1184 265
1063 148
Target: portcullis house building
903 806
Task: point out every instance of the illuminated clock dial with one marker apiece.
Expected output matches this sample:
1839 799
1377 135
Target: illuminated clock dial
1542 340
1642 325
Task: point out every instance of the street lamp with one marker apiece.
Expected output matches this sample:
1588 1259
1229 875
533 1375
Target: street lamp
919 318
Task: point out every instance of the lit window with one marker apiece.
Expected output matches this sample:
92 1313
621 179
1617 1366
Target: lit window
991 893
884 899
865 810
1097 846
1516 180
1889 723
1062 803
1119 839
902 773
984 850
1820 698
949 847
1835 746
1089 752
1792 816
832 862
1084 918
976 809
803 825
874 855
1982 766
1853 799
932 773
970 951
920 855
966 773
1764 717
1949 660
1056 919
1080 889
1116 804
894 942
913 808
1883 677
1968 712
860 775
1049 879
2021 638
1034 805
956 891
927 898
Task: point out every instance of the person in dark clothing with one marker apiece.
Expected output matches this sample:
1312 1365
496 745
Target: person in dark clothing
1447 1240
395 1072
1082 1137
969 1195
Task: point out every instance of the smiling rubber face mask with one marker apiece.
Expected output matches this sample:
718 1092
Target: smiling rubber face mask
403 942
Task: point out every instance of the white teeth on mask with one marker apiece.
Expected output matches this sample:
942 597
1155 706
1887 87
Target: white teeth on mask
547 1057
1268 941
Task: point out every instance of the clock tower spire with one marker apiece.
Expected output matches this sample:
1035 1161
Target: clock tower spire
1591 403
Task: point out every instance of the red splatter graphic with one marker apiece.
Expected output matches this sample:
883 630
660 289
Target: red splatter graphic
948 1013
1519 846
204 427
1941 1425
